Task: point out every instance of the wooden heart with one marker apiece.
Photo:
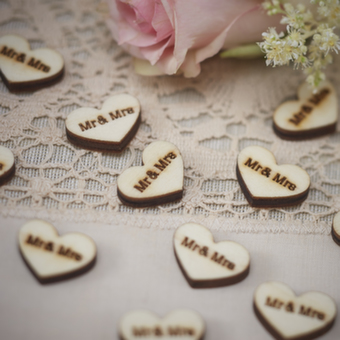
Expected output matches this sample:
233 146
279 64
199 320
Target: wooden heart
336 229
207 264
159 181
312 115
110 128
287 316
7 165
51 257
23 69
182 324
266 184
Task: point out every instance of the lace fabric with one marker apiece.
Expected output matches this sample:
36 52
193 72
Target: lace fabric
209 118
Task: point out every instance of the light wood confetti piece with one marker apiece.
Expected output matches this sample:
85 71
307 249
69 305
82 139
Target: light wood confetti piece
23 69
312 115
287 316
266 184
110 128
207 264
7 165
52 257
159 181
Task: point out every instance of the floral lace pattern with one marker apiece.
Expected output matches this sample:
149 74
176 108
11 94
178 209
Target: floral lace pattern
209 118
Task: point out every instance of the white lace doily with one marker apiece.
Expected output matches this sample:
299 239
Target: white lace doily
209 118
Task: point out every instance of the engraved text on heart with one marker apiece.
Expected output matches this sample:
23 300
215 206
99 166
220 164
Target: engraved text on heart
152 175
49 246
159 331
290 307
21 58
265 171
204 251
307 109
104 119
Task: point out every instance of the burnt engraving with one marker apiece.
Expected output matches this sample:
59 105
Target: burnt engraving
306 110
152 175
21 58
105 118
158 331
37 242
193 246
10 53
204 251
180 331
220 259
37 64
265 171
291 308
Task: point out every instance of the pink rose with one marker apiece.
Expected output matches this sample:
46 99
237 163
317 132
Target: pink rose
179 34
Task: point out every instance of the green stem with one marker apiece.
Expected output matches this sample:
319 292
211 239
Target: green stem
243 52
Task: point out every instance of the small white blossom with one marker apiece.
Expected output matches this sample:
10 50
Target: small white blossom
328 41
308 42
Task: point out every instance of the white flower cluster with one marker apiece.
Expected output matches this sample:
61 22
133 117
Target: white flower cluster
308 41
329 9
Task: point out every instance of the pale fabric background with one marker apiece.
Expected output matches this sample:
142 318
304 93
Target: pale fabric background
210 118
136 268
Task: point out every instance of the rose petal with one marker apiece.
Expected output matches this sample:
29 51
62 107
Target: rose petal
161 23
207 20
179 34
168 63
190 67
138 13
122 31
154 53
214 47
169 9
249 28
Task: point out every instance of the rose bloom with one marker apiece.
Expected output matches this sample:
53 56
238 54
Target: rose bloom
176 35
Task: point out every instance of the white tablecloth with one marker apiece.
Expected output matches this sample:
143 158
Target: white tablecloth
136 268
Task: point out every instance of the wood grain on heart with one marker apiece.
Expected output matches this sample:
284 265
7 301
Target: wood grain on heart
207 264
287 316
23 69
336 229
182 324
266 184
158 181
312 115
110 128
52 257
7 164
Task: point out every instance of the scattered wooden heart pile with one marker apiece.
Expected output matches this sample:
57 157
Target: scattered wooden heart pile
204 263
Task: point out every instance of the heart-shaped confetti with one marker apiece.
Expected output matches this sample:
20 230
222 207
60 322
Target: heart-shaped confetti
7 165
23 69
266 184
312 115
110 128
287 316
207 264
182 324
159 181
52 257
